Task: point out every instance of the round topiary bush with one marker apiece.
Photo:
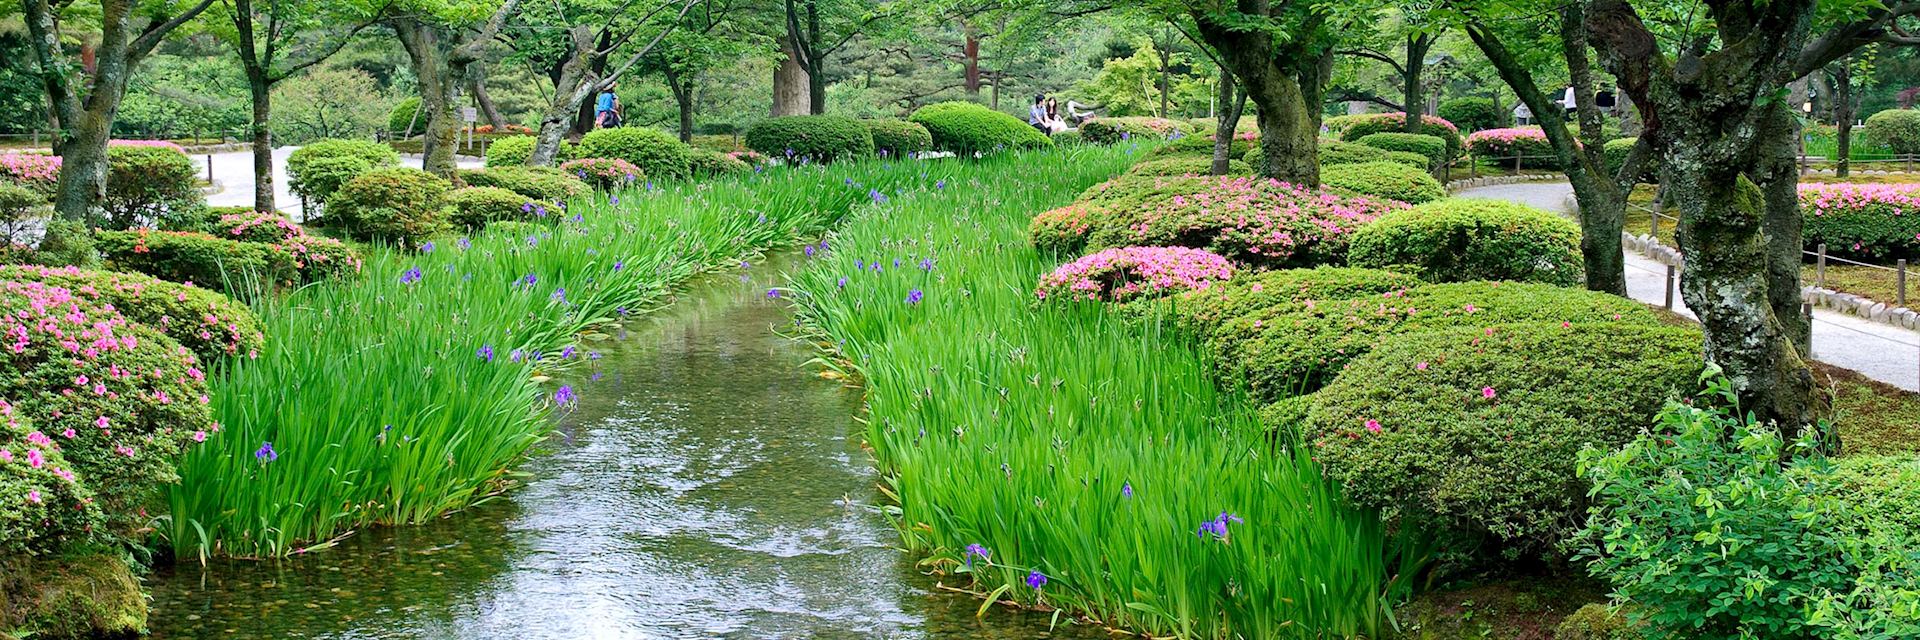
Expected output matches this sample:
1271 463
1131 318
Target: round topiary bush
707 163
401 205
406 120
1477 429
475 207
1116 130
1201 313
1061 231
213 326
966 129
1070 136
1131 273
1873 222
1502 146
1615 152
1462 239
1433 148
317 169
1201 146
811 138
1334 152
121 414
513 151
1390 180
252 226
1286 350
605 174
661 156
545 184
151 186
1896 129
1472 113
1185 166
1260 222
1351 128
898 138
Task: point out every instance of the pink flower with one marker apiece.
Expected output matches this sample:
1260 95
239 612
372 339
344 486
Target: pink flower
1420 367
1487 392
33 496
199 436
1373 426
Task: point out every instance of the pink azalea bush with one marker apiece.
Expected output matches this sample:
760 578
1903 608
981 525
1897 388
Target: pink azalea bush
211 325
312 258
35 171
605 174
158 144
257 226
1062 230
119 400
1878 222
43 502
1256 221
1351 128
1528 142
1130 273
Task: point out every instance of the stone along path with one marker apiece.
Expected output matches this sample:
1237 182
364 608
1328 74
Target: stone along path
1883 352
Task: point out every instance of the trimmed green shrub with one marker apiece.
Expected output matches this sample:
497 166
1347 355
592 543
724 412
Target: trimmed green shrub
1200 146
1263 223
253 226
402 121
213 326
126 429
1201 313
41 507
66 242
1289 349
1354 127
1476 429
1062 231
475 207
1126 274
1616 151
17 204
1462 239
316 170
152 186
236 268
1115 130
545 184
1433 148
1471 113
1333 152
1390 180
966 129
898 138
1872 222
1185 166
707 163
605 174
1070 136
723 143
661 156
37 171
811 138
513 151
1501 146
1715 527
401 205
1896 129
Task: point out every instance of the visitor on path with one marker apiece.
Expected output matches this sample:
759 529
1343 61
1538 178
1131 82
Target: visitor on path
606 108
1037 116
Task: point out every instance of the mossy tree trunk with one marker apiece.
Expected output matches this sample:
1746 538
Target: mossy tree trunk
1232 104
587 72
1286 80
1414 102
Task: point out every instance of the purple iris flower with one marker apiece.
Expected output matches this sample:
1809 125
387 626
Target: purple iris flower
1036 579
265 453
975 550
1126 490
565 396
485 352
914 296
926 264
411 276
1217 526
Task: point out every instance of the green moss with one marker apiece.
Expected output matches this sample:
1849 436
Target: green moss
82 596
1517 609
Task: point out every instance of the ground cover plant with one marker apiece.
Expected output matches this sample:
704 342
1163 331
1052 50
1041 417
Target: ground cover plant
1113 479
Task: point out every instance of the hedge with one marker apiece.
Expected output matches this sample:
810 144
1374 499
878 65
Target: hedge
1115 130
1463 239
1354 127
1896 129
1185 166
966 129
1477 429
1288 350
150 186
1133 273
545 184
1200 313
513 151
1615 152
1062 231
1333 152
1871 222
1390 180
317 169
811 138
898 138
1471 113
37 171
1262 223
1500 146
706 163
403 116
476 207
1434 148
661 156
401 205
213 326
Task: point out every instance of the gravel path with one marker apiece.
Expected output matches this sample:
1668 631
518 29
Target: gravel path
1883 352
234 172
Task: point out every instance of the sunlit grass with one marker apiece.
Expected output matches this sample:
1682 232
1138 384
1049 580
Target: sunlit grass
1066 442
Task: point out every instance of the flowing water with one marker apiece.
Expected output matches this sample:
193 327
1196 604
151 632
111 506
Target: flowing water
708 485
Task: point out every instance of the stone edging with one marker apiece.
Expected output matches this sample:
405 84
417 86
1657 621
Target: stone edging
1836 301
1471 183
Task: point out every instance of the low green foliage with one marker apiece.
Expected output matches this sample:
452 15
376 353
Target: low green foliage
1599 622
400 204
1185 166
544 184
152 187
1471 113
513 151
1117 130
1390 180
713 164
967 129
316 170
1352 128
1896 129
1475 429
1202 312
475 207
898 138
1200 145
661 156
1616 151
1335 152
1258 222
811 138
1464 239
605 174
1434 148
406 120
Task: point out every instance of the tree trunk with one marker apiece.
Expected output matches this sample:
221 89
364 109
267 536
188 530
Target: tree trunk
683 98
1165 76
1843 117
262 94
1289 130
83 163
816 76
1414 102
477 83
1232 104
970 52
792 91
575 82
1287 83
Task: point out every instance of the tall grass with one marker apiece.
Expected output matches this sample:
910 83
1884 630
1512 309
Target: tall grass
1067 443
378 397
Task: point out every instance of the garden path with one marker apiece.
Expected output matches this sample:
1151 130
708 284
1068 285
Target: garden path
1883 352
233 171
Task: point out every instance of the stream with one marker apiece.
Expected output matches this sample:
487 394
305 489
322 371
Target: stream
707 485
